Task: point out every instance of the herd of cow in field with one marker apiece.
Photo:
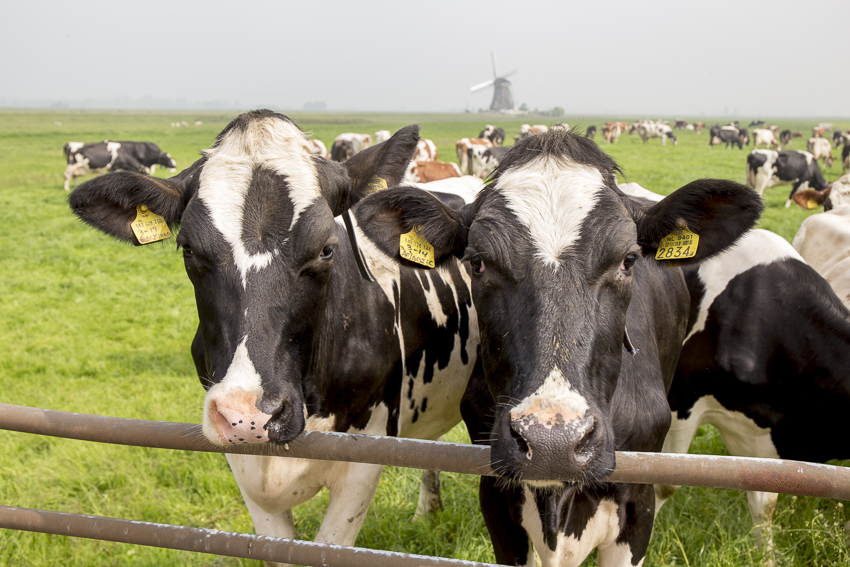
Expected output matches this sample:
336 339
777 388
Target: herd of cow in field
561 315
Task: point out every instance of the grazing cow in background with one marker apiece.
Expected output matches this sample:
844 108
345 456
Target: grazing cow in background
426 150
349 144
823 240
566 286
382 136
494 134
465 187
698 126
767 168
766 137
765 357
821 149
141 157
319 148
590 132
756 124
744 134
654 130
428 171
291 337
464 145
784 138
527 130
483 161
727 135
840 137
561 125
680 124
611 131
818 132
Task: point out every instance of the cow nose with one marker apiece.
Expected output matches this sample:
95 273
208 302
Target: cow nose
287 422
555 448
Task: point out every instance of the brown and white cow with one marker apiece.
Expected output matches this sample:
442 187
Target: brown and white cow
426 150
611 131
821 148
428 171
527 130
567 287
462 148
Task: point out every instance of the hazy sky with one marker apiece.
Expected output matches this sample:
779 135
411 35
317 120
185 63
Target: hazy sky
657 57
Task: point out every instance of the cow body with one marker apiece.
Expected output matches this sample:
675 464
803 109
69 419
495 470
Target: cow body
527 130
462 148
347 145
611 131
426 150
823 240
484 161
427 171
142 157
290 336
494 134
766 137
648 130
766 355
590 132
564 281
767 168
821 149
725 135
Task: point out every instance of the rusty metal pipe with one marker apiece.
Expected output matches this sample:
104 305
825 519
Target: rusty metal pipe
232 544
740 473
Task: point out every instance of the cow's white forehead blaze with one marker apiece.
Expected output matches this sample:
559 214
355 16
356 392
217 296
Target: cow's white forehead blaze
269 142
552 196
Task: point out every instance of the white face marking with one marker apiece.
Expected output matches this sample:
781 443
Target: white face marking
756 247
556 394
74 146
226 177
552 198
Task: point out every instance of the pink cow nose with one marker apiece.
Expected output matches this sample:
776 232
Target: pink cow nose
237 423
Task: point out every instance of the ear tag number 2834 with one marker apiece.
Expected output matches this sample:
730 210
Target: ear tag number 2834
149 226
679 244
416 249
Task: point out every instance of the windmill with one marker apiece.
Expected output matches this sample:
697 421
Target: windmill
502 98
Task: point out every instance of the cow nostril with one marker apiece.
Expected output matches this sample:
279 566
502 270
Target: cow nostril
522 444
582 449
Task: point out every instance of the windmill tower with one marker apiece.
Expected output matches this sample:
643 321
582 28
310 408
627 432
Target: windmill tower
502 97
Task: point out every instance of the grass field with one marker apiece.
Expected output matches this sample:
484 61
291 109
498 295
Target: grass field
93 326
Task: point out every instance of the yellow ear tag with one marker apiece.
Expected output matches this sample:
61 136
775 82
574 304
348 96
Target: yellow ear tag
681 243
149 226
375 184
416 249
811 204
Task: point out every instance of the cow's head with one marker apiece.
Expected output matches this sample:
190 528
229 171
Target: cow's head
554 248
166 160
258 235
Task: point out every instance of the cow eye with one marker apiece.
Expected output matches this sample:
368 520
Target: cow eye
327 253
628 261
477 263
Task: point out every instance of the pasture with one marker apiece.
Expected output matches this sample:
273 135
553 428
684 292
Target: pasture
94 326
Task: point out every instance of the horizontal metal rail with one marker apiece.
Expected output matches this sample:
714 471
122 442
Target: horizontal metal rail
232 544
741 473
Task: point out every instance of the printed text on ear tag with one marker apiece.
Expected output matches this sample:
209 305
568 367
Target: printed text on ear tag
149 226
681 243
416 249
375 184
811 204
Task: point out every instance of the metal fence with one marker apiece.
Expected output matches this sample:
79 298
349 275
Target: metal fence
767 475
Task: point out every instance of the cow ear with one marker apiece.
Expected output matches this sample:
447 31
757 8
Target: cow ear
811 198
385 216
382 165
717 211
109 202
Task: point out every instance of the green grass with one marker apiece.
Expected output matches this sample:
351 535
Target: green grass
91 325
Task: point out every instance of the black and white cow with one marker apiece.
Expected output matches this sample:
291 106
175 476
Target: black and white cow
484 161
291 337
726 135
767 168
590 132
143 157
765 358
565 285
348 144
494 134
